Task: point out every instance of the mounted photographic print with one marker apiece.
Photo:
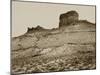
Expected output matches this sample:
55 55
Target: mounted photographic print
52 37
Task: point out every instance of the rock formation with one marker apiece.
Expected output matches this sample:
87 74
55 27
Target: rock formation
43 50
38 28
68 18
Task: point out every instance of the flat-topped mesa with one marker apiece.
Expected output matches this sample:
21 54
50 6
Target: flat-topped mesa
68 18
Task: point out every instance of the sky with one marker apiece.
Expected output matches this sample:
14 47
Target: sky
31 14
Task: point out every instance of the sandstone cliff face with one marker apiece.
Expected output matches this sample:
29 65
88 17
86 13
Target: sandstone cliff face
68 18
72 47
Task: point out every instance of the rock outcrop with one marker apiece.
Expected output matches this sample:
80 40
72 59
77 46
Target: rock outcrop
72 47
68 18
34 29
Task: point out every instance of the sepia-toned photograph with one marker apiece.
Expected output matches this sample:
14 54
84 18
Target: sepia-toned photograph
52 37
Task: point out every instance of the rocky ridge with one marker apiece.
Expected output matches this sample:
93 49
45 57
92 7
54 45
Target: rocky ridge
69 47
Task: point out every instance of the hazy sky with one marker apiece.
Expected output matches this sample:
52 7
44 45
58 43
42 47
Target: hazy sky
31 14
